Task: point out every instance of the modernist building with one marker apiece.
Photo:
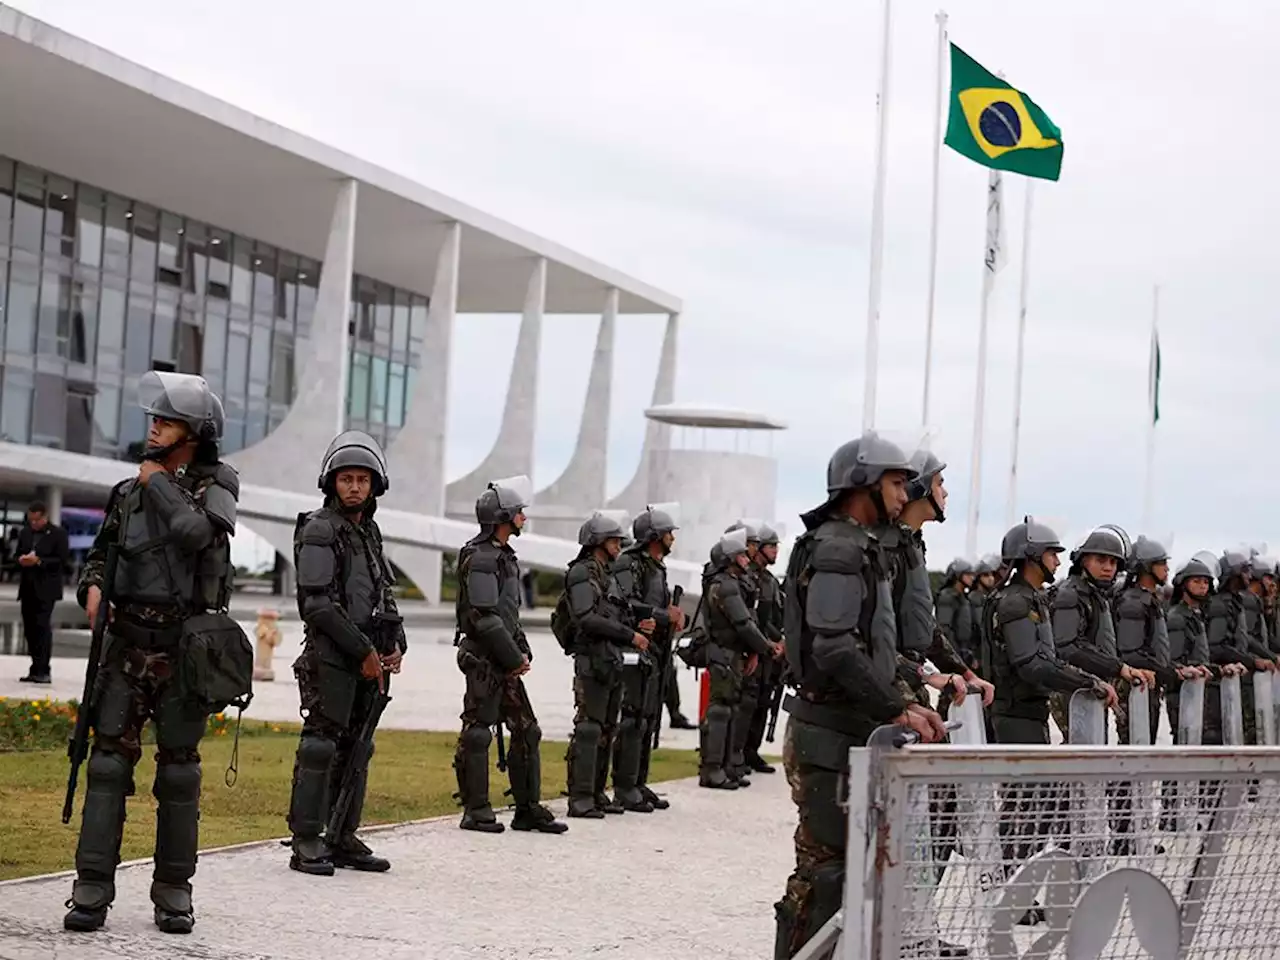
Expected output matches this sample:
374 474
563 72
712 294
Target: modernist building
145 225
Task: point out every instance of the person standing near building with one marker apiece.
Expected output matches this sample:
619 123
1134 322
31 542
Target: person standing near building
769 617
172 526
354 639
43 555
493 655
593 623
641 573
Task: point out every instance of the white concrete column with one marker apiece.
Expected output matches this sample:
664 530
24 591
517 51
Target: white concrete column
581 488
657 436
52 497
415 458
289 456
512 452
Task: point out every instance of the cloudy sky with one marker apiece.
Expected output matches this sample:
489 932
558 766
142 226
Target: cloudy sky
724 150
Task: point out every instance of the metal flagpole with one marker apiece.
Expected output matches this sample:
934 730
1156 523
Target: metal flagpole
941 17
991 263
877 233
1153 384
1011 515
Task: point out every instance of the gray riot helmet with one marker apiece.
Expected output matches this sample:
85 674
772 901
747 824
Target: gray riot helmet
600 526
1103 541
989 563
653 524
183 397
1261 567
502 500
728 548
749 527
957 569
859 465
1234 563
349 450
768 535
1145 554
1201 565
1028 542
927 465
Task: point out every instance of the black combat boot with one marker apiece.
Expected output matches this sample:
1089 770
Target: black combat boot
680 722
478 821
655 801
606 804
538 818
714 779
311 855
759 764
173 913
89 903
353 854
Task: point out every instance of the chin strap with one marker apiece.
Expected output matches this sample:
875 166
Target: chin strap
877 498
938 515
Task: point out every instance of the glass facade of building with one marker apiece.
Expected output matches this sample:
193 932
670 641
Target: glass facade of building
96 289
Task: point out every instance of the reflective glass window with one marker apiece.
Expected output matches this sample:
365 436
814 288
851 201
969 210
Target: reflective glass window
400 322
111 319
84 323
89 226
395 395
215 341
241 271
260 359
78 429
106 415
115 242
382 318
146 236
264 280
60 217
237 363
190 339
49 414
417 322
308 281
15 406
169 255
137 334
358 395
6 200
28 210
194 240
219 250
54 331
163 327
282 370
378 390
20 310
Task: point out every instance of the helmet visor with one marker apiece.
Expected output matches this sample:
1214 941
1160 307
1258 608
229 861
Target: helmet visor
514 493
183 396
671 509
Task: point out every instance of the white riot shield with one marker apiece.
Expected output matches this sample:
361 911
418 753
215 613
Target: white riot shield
1232 712
1141 790
1190 734
1087 720
1264 710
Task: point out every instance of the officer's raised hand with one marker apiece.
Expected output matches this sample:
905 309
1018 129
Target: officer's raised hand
1105 691
148 469
640 642
926 724
676 616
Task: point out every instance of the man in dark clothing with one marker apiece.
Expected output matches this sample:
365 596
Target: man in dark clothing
354 640
42 556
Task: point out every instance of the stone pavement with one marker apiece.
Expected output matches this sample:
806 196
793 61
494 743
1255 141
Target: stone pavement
426 695
698 880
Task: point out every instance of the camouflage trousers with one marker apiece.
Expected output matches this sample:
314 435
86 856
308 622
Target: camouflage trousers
815 888
1122 710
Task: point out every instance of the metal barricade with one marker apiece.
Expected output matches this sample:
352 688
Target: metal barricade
1205 893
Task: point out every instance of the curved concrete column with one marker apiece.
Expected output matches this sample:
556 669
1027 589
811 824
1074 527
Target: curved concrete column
416 457
288 456
637 494
560 508
512 452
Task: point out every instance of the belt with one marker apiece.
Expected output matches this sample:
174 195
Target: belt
139 635
846 720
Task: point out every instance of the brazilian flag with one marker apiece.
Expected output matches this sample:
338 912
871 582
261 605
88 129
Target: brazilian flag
998 126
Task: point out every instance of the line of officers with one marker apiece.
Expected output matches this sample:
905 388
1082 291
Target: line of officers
620 621
865 638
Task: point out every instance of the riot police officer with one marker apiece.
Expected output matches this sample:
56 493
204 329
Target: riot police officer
951 606
840 634
493 655
1084 630
735 647
1142 632
1017 647
598 631
641 574
353 640
1189 645
769 618
171 525
1229 633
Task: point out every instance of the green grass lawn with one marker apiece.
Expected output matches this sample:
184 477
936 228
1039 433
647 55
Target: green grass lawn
411 777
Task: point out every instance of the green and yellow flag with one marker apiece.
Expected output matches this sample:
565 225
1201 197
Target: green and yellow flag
998 126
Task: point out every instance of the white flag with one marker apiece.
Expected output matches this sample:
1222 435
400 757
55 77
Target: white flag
995 255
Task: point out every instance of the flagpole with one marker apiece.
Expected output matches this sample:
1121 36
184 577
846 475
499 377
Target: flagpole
877 233
1153 374
1011 513
941 18
989 266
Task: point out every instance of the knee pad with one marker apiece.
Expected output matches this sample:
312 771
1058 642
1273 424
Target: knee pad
588 730
177 782
719 713
109 770
630 724
316 753
476 739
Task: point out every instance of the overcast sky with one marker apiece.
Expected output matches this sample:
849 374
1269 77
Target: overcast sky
723 151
